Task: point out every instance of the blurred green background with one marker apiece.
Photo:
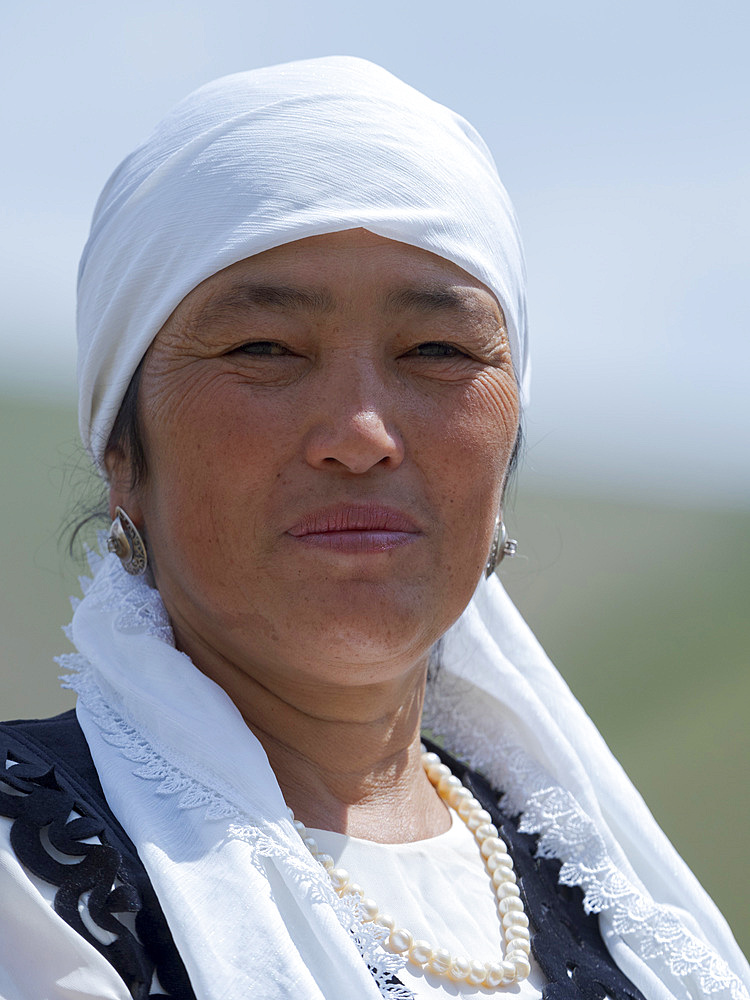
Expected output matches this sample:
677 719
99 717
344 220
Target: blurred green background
643 608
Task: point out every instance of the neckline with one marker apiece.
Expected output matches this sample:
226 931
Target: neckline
447 838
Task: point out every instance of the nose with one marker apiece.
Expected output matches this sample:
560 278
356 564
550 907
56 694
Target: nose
354 429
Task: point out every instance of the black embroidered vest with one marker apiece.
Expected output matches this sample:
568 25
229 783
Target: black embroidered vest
52 775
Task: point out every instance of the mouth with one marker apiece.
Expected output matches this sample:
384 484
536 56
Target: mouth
356 528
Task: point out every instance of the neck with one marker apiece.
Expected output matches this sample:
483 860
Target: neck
347 758
363 778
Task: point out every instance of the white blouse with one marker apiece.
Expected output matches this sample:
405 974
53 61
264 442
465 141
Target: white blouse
439 890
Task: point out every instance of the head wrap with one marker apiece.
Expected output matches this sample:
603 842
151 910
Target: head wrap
259 159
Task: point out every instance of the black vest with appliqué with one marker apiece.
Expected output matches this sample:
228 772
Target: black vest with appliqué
50 790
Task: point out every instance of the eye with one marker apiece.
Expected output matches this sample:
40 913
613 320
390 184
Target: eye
263 349
435 349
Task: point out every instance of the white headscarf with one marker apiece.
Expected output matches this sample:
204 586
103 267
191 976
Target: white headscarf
259 159
245 164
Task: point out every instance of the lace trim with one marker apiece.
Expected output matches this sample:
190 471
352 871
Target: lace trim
566 832
140 609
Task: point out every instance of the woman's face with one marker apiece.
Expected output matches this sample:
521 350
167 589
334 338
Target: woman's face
327 427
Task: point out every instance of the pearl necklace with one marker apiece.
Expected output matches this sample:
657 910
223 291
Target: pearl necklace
515 966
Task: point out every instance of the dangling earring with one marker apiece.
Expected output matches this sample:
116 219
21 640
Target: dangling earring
125 541
501 547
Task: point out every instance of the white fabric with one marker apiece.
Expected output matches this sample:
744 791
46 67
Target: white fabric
259 159
439 890
250 911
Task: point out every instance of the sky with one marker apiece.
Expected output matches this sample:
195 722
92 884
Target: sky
620 130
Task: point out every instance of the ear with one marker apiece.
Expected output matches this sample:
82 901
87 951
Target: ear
122 492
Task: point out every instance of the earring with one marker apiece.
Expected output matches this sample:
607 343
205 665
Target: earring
125 541
501 547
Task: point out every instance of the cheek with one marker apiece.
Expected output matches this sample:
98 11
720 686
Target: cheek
476 439
468 456
213 457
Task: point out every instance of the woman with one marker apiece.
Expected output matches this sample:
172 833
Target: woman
302 363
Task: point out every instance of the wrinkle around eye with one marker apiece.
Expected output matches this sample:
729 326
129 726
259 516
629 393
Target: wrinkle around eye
435 349
264 363
443 360
263 349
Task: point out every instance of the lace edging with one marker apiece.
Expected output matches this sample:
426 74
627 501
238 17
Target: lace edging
138 605
567 833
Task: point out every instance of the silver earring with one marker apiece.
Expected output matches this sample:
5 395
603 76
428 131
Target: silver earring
125 541
501 547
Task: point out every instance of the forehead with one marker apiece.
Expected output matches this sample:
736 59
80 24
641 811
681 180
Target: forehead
324 273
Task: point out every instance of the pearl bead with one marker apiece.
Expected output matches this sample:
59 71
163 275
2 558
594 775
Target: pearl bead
495 974
386 920
436 771
499 858
369 909
459 969
465 807
509 971
503 874
400 940
492 844
327 861
522 967
517 932
477 818
439 961
477 972
486 830
509 904
510 889
420 952
517 945
515 919
447 785
340 879
429 758
356 888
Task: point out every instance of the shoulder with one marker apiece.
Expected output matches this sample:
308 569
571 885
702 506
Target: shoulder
58 829
57 741
50 759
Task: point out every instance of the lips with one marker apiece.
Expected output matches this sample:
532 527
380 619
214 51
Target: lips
356 528
369 517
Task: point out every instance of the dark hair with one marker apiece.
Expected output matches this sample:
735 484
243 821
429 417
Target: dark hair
127 438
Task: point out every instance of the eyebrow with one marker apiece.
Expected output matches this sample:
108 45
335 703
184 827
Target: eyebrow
426 300
264 296
289 298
